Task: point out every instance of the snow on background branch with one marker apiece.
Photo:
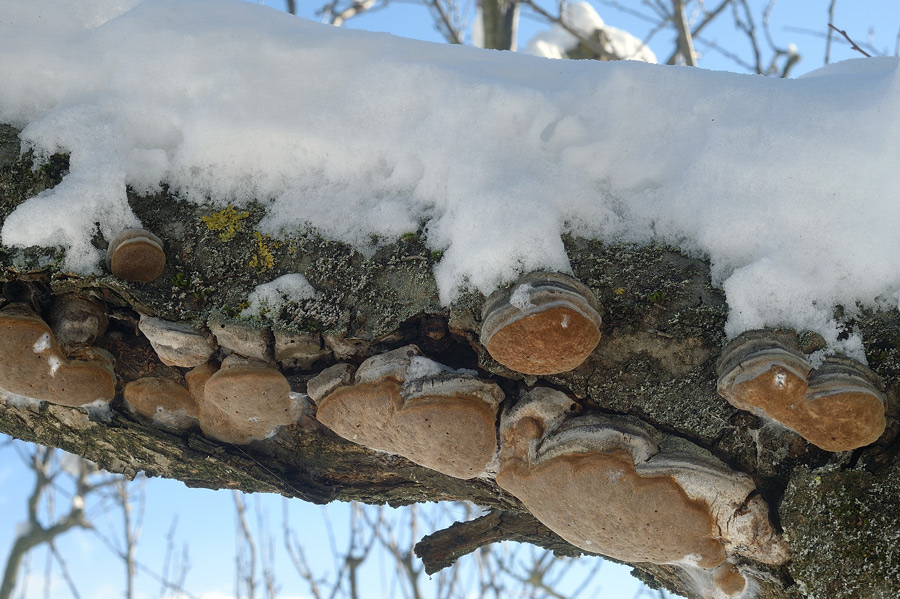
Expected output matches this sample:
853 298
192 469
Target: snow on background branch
789 187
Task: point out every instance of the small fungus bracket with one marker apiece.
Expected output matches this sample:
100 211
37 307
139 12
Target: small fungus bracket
838 406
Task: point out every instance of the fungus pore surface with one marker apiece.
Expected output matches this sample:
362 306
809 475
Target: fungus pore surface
136 255
837 407
444 420
545 324
33 365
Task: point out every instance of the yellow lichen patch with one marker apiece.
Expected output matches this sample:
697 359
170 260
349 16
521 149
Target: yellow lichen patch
226 222
264 259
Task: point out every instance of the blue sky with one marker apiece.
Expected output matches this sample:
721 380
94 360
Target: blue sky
792 22
206 518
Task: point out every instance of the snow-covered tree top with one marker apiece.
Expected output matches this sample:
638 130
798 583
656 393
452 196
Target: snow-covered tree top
789 187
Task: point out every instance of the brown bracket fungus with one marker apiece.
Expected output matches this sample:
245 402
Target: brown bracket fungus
33 366
837 406
136 255
243 401
163 401
405 404
546 323
299 350
250 342
77 319
177 344
607 486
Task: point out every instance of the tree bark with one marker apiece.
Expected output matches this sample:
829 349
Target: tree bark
500 21
662 332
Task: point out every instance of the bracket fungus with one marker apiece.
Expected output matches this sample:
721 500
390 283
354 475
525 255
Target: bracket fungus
163 401
403 403
243 340
546 323
136 255
244 401
837 406
33 366
608 486
177 344
77 319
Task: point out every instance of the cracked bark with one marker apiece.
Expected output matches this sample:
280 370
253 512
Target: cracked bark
662 332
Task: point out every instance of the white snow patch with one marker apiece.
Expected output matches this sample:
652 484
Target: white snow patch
520 298
789 187
54 362
19 401
275 294
421 367
42 343
99 409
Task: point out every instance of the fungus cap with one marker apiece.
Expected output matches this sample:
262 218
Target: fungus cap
77 319
246 401
321 385
177 344
741 516
163 401
546 323
32 364
136 255
243 340
299 350
837 407
597 502
614 486
445 421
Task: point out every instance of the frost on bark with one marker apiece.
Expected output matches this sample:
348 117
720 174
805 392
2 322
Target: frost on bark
662 331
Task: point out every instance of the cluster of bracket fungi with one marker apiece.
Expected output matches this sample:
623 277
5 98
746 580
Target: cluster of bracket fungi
607 484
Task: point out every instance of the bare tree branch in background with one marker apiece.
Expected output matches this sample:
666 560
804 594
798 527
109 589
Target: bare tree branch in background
34 533
344 581
685 43
88 498
175 567
132 532
337 13
447 19
830 31
853 44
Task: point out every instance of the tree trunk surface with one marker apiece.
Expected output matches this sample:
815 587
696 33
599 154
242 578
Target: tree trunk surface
662 332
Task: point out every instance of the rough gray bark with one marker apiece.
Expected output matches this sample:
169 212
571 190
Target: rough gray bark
662 332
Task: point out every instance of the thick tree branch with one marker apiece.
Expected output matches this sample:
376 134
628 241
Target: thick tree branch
662 333
442 548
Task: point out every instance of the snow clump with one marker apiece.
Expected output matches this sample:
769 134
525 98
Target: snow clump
275 294
557 41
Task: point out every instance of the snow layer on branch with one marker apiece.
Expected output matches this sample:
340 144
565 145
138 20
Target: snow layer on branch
789 187
556 42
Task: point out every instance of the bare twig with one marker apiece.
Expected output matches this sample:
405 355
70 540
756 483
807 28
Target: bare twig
336 17
35 533
245 570
64 569
445 25
853 45
830 32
